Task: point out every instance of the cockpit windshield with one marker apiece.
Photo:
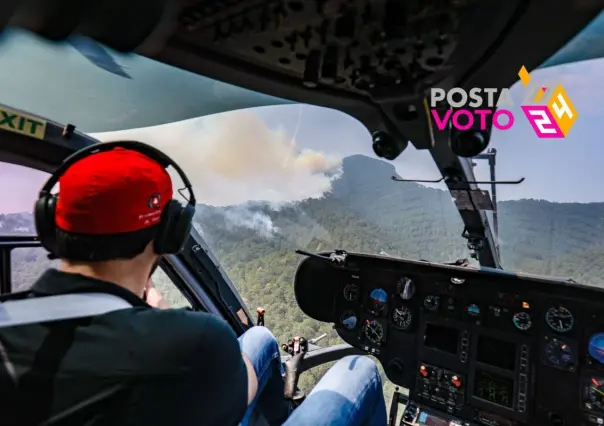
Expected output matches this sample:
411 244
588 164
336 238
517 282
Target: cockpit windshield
272 176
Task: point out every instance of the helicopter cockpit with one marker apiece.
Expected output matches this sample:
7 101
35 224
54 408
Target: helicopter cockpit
436 258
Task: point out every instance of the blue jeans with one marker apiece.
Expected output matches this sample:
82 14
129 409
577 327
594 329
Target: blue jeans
349 394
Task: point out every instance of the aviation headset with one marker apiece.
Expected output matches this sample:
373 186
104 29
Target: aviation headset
174 226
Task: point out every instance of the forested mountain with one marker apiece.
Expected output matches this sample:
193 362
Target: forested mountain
368 212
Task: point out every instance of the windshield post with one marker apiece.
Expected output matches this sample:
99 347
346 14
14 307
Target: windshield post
490 156
488 254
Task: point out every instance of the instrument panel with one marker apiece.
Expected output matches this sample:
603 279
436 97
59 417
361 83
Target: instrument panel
487 348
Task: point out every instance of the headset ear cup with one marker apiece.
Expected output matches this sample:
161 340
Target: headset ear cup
44 217
174 228
182 229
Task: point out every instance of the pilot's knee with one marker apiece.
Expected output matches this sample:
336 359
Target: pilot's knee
261 336
364 366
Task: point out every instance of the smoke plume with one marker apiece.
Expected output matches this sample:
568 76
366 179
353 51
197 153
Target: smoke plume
234 158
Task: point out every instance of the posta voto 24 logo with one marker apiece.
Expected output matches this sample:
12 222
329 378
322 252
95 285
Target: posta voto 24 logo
550 113
551 116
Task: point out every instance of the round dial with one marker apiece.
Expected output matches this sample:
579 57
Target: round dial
559 319
351 292
407 288
559 354
401 317
432 303
593 394
348 320
522 321
377 300
374 332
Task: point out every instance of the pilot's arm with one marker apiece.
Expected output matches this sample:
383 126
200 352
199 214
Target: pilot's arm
231 372
216 382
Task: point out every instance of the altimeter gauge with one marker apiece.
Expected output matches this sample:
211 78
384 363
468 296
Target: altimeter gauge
402 317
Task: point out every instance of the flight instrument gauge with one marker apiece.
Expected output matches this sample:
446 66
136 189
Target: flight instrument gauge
351 292
593 393
377 300
374 331
401 317
560 354
348 320
432 303
559 319
406 288
522 321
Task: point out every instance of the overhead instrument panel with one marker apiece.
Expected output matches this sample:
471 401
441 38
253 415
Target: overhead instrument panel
349 46
490 348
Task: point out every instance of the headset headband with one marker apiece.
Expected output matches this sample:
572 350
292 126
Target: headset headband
143 148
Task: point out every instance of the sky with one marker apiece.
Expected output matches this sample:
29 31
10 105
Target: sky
277 153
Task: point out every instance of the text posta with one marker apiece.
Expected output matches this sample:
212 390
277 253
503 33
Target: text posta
466 118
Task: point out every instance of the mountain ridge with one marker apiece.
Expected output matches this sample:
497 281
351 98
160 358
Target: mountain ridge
401 214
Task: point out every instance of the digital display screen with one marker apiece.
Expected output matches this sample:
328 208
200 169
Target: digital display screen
493 388
497 353
426 419
441 338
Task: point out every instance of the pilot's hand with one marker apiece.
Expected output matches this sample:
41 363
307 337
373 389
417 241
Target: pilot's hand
154 297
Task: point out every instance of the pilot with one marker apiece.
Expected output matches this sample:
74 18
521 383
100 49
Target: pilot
142 365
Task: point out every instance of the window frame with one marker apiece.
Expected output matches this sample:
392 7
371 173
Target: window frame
9 243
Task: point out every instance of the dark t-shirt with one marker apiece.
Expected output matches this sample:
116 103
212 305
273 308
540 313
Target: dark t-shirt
138 366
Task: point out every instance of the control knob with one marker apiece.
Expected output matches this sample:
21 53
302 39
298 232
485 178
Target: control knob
396 369
456 381
424 371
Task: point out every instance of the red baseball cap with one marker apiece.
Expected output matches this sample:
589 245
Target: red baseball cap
112 192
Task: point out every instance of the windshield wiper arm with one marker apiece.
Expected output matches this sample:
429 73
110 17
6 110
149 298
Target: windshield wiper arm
337 257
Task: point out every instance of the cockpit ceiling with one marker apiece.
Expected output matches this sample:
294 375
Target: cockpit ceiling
353 46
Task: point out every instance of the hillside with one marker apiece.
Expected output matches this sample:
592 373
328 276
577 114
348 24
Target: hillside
366 211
